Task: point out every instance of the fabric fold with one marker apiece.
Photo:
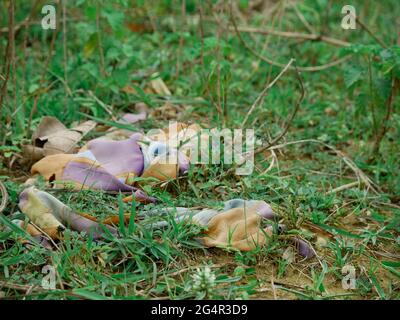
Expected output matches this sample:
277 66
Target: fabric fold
239 225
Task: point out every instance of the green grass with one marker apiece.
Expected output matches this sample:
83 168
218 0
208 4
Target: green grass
341 108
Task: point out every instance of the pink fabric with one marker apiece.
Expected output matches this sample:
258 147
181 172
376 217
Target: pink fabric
119 157
132 118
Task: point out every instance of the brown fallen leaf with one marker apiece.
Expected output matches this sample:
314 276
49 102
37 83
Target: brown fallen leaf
167 111
129 89
34 153
113 220
139 27
52 137
155 86
158 86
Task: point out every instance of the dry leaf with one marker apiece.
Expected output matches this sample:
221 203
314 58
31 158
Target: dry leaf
159 87
288 255
52 137
167 111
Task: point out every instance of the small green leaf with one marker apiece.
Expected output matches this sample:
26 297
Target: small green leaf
88 294
352 75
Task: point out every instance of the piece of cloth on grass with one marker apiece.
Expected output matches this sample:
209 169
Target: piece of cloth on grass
110 165
239 225
52 216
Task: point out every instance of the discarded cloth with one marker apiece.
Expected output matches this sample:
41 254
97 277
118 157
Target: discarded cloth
239 225
52 216
113 165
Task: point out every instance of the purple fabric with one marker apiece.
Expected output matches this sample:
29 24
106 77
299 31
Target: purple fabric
183 163
23 198
141 195
132 118
82 224
98 178
119 157
303 248
93 177
42 240
266 211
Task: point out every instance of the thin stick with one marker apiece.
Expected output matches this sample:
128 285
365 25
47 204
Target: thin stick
344 187
302 18
277 64
45 234
100 45
289 120
389 111
201 27
10 44
273 287
370 32
65 52
26 22
359 173
14 77
295 35
4 197
285 129
43 78
20 287
265 91
106 107
181 40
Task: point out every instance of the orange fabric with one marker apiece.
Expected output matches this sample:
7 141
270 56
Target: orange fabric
54 233
238 228
161 171
52 166
112 220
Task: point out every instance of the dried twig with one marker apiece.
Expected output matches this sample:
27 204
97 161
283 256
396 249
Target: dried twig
289 120
99 40
372 34
26 22
359 173
15 28
303 19
389 111
4 197
295 35
344 187
8 54
43 78
265 91
21 287
277 64
106 107
46 235
181 41
65 50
